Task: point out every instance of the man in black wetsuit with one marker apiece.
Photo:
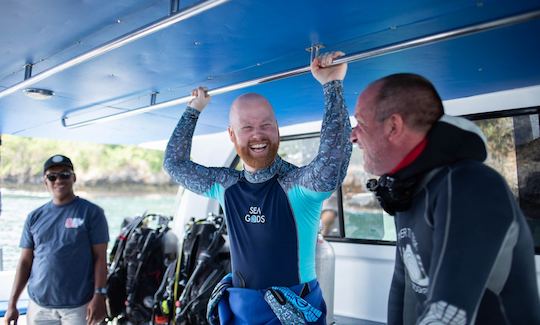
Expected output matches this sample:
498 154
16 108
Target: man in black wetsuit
464 252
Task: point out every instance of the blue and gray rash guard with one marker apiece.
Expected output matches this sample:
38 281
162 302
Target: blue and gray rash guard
272 214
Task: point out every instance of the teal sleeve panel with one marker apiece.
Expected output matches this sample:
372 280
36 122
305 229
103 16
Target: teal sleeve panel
306 206
216 192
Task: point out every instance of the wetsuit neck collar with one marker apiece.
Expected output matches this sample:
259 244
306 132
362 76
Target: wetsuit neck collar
410 157
262 175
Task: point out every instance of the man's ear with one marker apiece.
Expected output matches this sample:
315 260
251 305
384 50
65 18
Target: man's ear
231 134
394 127
74 177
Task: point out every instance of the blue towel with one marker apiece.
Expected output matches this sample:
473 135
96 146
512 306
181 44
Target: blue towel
242 306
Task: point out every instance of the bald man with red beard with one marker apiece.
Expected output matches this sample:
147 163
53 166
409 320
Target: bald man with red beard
257 147
272 208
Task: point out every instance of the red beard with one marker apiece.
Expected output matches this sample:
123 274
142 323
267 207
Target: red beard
258 162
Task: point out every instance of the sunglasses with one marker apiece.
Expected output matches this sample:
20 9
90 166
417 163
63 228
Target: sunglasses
52 177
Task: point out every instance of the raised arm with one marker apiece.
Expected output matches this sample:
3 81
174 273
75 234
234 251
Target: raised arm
177 162
326 172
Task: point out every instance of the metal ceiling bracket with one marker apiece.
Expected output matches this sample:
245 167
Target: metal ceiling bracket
153 97
28 71
363 55
314 51
116 43
175 6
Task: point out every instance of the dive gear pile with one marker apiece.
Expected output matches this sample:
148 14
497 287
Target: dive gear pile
205 260
138 260
148 284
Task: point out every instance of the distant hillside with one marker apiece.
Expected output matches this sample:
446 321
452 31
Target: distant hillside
21 163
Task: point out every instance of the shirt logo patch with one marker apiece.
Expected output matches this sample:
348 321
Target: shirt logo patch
73 222
408 247
255 215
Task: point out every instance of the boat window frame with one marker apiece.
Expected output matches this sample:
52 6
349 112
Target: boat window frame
342 239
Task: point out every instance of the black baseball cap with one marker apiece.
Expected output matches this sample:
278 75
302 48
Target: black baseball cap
57 160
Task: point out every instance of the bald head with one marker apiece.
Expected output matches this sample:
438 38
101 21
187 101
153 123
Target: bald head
250 104
254 131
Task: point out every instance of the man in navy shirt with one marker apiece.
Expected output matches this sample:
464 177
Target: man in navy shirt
272 207
464 252
63 258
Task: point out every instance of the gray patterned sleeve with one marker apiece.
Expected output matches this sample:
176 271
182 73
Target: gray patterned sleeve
327 171
177 163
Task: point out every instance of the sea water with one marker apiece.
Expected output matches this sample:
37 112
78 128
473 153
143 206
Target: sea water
17 204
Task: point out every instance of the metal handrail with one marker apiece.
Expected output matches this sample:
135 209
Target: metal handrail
416 42
116 43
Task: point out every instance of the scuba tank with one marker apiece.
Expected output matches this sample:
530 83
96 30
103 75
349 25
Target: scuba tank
325 268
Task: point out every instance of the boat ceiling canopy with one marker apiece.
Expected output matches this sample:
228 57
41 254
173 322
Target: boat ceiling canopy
236 41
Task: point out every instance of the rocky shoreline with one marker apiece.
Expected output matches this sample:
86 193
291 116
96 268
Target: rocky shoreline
102 189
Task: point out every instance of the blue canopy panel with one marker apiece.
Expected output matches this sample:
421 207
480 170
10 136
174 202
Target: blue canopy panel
238 41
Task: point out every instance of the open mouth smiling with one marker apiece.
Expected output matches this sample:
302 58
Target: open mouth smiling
258 147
